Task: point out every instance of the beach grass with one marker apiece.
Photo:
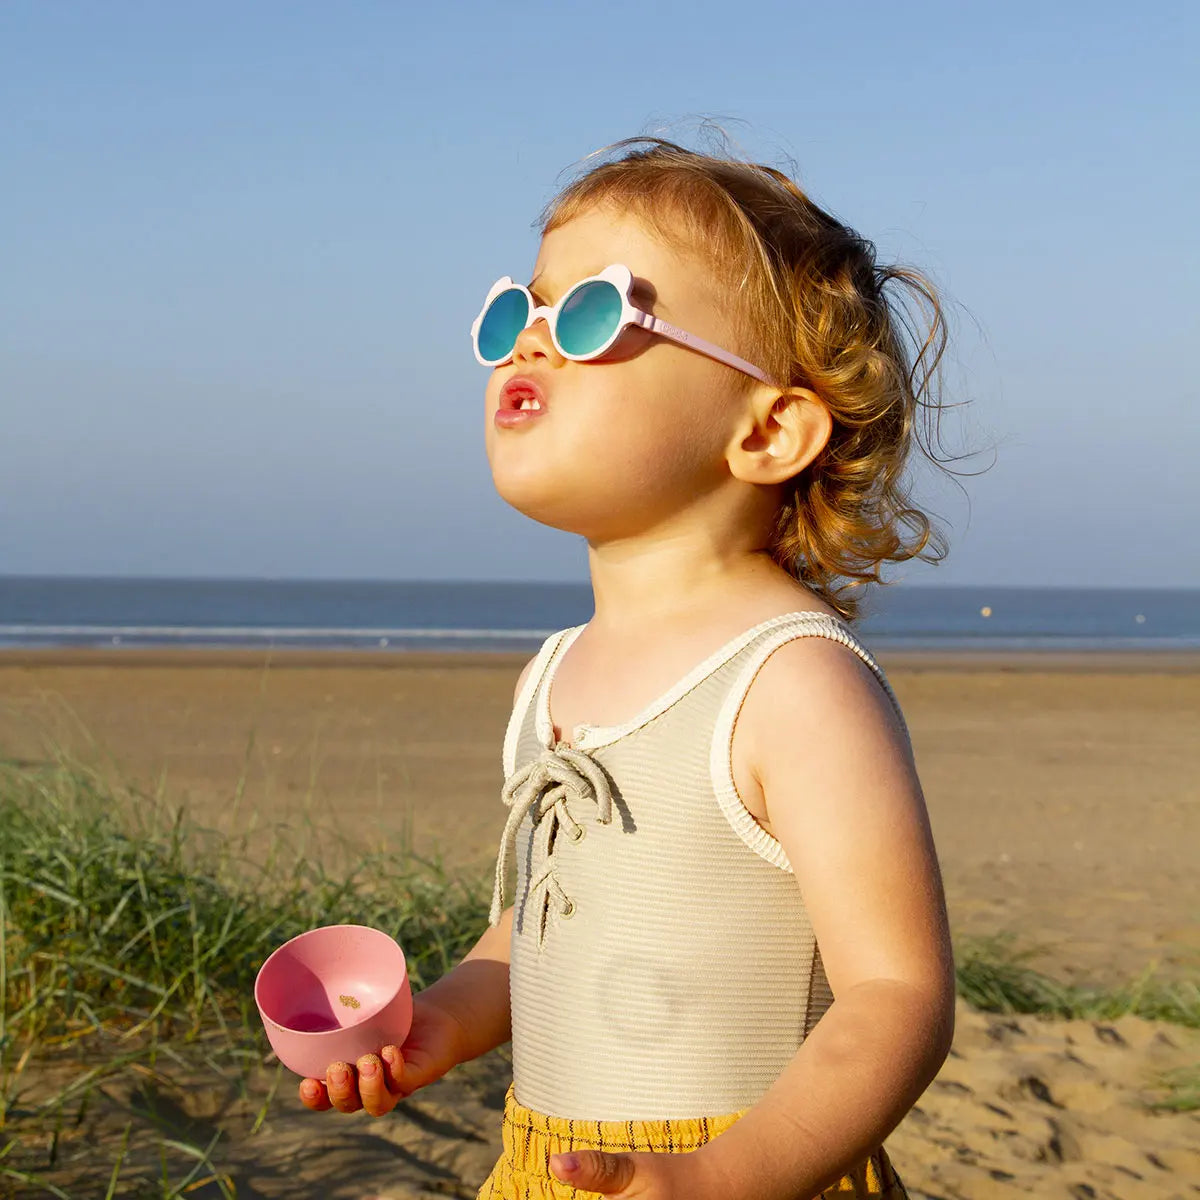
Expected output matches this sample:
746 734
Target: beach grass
129 942
994 976
1181 1091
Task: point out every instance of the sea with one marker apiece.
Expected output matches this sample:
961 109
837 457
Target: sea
41 612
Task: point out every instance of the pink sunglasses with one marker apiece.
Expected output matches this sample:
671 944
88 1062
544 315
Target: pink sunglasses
584 324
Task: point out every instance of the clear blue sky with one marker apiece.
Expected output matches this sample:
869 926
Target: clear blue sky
241 245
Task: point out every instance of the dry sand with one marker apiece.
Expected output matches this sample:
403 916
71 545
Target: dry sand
1065 802
1058 1110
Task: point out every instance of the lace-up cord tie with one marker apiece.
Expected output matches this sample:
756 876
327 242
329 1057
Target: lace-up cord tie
543 787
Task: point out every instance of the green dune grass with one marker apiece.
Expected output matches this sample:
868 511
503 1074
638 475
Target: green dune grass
131 937
993 976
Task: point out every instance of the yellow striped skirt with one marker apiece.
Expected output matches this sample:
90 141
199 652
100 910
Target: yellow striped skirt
530 1138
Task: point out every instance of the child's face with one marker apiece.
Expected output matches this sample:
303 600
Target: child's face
628 442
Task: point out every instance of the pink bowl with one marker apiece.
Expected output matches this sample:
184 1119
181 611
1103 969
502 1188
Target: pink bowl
332 995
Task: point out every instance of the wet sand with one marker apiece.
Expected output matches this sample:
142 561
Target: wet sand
1065 803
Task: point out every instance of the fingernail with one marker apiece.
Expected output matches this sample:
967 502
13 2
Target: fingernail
389 1055
339 1076
367 1069
567 1162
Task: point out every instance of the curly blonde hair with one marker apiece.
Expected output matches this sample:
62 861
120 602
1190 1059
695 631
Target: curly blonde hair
818 311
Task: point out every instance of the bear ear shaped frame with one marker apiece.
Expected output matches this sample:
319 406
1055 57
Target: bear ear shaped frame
599 304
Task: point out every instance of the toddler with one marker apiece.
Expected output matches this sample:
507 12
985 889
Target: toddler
725 967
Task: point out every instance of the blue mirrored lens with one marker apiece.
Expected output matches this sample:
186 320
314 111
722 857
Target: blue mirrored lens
502 324
589 318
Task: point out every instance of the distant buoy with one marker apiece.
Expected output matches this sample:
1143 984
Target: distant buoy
1140 619
116 641
985 611
383 641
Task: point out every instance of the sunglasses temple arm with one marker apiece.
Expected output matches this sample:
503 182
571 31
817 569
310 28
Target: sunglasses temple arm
675 334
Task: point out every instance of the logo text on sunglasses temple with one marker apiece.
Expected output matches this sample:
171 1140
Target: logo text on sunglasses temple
656 324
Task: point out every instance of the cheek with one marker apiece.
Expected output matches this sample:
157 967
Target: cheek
656 449
691 423
659 455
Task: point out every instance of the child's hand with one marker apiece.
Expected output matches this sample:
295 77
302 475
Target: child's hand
639 1176
382 1080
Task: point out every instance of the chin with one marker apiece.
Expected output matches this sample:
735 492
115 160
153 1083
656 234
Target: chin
535 504
546 504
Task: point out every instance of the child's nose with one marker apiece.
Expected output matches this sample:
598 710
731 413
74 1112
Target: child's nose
534 342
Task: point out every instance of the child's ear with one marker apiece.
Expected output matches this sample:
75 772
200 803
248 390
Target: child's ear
781 434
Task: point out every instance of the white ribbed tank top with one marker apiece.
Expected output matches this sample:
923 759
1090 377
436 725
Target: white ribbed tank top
662 961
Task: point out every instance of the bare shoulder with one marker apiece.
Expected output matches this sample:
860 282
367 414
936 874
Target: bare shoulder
815 688
814 709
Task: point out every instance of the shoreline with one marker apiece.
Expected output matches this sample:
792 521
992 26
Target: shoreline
1168 660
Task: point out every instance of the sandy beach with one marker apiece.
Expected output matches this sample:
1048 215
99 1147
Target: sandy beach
1064 799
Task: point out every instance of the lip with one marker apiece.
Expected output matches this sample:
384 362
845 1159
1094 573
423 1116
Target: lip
509 414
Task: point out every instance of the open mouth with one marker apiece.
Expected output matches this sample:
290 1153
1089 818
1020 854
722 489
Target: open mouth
522 395
522 402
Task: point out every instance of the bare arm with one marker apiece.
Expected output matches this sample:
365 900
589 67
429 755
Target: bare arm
475 993
843 798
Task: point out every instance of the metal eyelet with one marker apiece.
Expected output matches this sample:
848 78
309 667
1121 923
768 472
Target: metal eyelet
577 834
567 911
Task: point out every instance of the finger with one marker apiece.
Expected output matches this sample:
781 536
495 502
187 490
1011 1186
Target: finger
393 1069
343 1091
313 1095
594 1171
372 1086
